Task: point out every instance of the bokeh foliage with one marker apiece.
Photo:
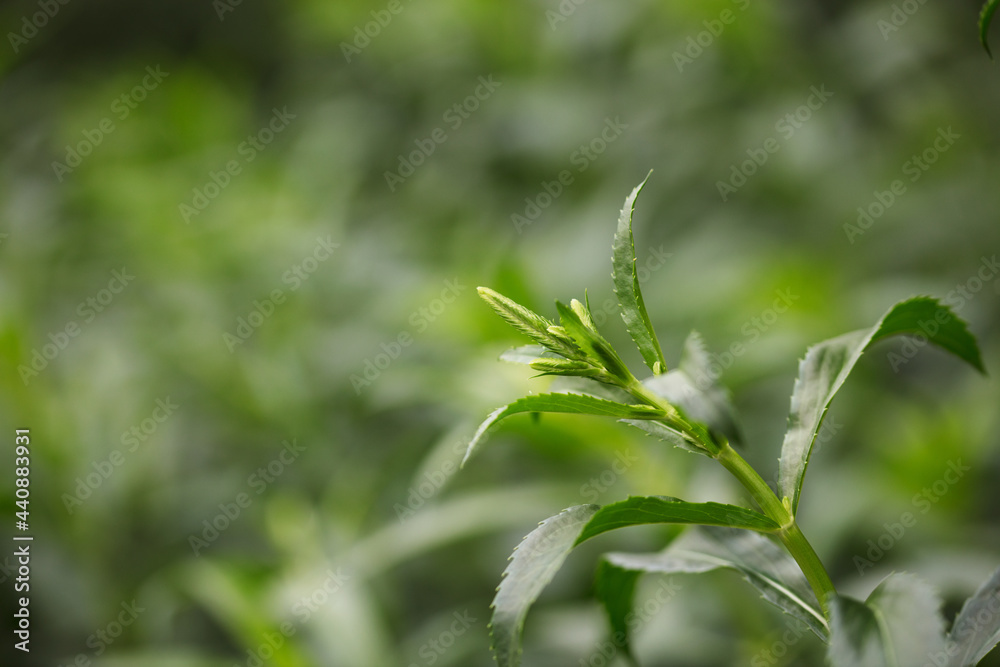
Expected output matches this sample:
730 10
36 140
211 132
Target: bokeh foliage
368 448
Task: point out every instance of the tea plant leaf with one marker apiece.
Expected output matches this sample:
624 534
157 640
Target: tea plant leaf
827 365
532 566
580 385
614 587
526 321
568 403
897 626
638 510
985 18
693 389
667 434
627 290
594 345
976 630
763 564
525 354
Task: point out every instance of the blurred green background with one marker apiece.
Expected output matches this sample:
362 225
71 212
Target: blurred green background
239 246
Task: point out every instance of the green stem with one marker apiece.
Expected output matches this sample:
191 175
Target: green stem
758 488
790 534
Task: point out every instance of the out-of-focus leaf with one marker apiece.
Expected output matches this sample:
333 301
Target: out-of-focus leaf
977 627
614 587
985 19
639 510
827 365
667 434
692 388
899 625
569 403
525 354
533 565
627 289
762 563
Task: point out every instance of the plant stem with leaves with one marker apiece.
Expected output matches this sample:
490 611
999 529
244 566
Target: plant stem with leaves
686 407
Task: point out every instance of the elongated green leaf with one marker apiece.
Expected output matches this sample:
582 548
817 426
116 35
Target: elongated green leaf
526 321
525 354
693 388
638 510
532 566
827 365
985 18
569 403
763 564
614 587
594 345
627 290
667 434
899 625
976 630
579 385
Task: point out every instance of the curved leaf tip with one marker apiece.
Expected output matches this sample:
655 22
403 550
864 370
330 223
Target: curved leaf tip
985 18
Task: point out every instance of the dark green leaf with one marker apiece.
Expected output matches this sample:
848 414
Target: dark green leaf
827 365
985 18
627 290
614 588
898 626
765 565
532 566
638 510
568 403
977 628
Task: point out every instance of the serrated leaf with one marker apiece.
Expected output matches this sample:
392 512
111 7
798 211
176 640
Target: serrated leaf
827 365
985 19
626 281
525 320
976 630
525 354
639 510
899 625
566 403
700 397
532 566
580 385
666 434
763 564
593 344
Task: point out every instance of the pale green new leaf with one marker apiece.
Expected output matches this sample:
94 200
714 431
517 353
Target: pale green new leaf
525 354
985 18
593 344
626 281
638 510
763 564
532 566
567 403
827 365
899 625
976 630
